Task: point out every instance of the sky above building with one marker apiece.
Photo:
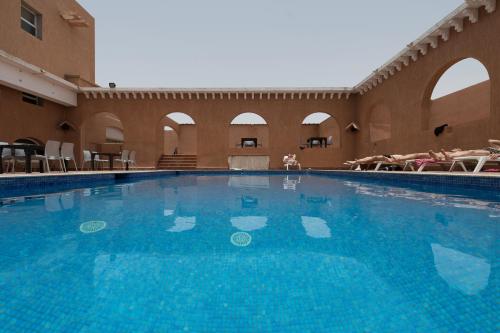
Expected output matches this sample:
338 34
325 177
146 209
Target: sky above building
258 43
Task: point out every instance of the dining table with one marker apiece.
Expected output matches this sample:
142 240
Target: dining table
29 151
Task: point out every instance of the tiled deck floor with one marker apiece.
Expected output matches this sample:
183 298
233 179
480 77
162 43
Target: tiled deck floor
103 172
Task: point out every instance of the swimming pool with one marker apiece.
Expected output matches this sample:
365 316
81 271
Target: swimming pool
250 253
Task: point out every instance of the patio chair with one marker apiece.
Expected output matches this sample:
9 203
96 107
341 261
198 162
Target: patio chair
67 154
51 153
329 141
123 158
87 158
7 155
131 159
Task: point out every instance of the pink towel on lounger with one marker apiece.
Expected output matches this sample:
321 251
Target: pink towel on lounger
421 161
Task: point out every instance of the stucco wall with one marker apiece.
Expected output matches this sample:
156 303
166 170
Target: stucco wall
142 120
21 120
62 50
407 94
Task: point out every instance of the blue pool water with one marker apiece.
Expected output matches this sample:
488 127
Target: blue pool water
251 253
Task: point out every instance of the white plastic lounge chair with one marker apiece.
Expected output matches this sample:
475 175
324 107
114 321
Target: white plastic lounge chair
290 162
67 153
444 163
481 161
123 159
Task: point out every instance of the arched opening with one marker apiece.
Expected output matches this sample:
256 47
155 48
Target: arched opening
103 132
170 141
380 123
319 130
248 130
29 141
179 134
460 95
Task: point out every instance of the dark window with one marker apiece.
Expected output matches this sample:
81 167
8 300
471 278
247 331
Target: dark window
31 21
32 99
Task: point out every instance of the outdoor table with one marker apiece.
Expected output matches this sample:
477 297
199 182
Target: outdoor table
321 140
29 150
111 156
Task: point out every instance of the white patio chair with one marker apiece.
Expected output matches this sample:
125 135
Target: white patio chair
123 158
329 141
20 156
7 155
67 153
131 159
87 158
51 153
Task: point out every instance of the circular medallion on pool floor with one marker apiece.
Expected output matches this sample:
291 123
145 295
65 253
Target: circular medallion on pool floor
92 226
241 238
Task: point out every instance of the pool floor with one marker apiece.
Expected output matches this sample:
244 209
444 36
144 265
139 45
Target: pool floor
250 253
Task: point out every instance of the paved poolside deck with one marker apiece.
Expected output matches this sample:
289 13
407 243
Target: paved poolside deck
352 172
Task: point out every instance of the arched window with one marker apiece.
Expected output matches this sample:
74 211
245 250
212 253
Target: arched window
315 118
248 130
248 118
461 75
380 123
319 130
180 135
181 118
461 95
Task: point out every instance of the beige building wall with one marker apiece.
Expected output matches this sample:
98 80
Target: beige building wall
212 130
22 120
62 50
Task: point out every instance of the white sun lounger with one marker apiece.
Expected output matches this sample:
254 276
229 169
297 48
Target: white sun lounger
452 164
481 161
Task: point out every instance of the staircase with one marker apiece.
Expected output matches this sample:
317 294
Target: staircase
177 162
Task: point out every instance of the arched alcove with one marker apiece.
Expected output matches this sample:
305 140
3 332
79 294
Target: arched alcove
179 134
248 130
461 94
319 130
379 123
170 140
103 131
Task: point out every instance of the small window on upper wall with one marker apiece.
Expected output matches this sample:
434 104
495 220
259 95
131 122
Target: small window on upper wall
31 21
32 99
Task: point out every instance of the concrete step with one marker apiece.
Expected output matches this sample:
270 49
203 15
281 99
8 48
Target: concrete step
177 162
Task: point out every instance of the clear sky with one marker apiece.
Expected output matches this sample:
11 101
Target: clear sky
257 43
